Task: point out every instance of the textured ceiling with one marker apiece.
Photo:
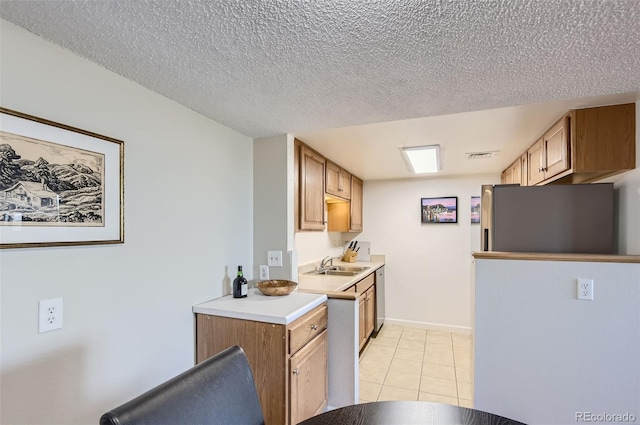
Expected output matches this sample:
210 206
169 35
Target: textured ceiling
275 66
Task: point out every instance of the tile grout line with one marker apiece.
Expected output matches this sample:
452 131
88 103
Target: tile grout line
455 370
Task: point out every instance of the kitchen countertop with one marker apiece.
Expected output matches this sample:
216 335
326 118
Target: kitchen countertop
280 310
327 284
535 256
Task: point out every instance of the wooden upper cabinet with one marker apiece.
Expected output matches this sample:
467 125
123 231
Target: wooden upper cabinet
315 177
524 169
337 181
585 145
549 156
535 163
513 174
345 183
603 140
556 147
311 187
355 224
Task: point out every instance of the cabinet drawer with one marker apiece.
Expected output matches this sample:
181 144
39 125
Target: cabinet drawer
307 327
365 283
351 288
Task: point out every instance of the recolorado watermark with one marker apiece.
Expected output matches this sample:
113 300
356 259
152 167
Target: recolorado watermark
605 417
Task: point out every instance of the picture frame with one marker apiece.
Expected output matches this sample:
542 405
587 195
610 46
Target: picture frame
439 210
60 186
475 209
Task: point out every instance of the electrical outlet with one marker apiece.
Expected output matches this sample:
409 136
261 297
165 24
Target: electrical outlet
50 315
274 258
584 289
264 272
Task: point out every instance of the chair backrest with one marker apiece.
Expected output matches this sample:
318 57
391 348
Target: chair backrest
220 390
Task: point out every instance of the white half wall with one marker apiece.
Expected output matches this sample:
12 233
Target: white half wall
128 324
428 266
544 357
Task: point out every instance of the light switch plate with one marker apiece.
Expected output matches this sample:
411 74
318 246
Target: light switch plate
274 258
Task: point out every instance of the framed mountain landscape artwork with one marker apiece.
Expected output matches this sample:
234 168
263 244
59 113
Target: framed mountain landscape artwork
59 185
439 210
475 209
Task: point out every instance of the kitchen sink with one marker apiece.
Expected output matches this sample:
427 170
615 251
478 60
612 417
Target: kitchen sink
338 271
332 272
348 268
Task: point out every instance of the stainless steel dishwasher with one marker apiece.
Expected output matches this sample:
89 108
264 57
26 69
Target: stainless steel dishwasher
379 300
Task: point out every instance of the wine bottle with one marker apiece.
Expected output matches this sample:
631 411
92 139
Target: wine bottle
240 285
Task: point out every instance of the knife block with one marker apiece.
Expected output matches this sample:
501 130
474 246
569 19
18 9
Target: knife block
349 256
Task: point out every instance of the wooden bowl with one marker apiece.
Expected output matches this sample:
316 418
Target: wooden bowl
276 287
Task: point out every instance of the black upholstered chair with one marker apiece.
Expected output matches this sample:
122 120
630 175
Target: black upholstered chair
220 390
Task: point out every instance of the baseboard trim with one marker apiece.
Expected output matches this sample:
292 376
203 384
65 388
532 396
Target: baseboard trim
428 325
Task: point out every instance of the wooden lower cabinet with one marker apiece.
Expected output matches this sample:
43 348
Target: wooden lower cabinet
309 379
370 316
289 362
362 333
367 308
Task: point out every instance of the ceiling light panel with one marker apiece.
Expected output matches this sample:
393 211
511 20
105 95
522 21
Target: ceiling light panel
422 159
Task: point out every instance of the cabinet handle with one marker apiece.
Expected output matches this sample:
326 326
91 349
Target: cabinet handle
314 327
296 371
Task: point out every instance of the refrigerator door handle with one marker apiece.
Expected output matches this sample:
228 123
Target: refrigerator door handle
486 240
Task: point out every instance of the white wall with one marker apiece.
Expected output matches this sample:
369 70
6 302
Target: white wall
312 246
273 201
541 355
127 308
428 266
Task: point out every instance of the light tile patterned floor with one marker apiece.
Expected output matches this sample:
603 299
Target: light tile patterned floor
405 363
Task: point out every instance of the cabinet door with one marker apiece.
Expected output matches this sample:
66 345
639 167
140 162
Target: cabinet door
309 379
362 317
355 224
513 174
556 149
516 172
345 184
370 319
311 190
524 166
507 175
332 179
535 159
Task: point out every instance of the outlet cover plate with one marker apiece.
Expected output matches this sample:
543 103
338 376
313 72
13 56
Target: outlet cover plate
264 272
584 289
49 315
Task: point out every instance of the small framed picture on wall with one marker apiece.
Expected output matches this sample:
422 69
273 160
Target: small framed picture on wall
439 210
475 209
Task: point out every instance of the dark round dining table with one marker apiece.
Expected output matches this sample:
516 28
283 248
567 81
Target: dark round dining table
406 413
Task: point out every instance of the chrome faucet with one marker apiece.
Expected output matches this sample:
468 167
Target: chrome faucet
325 260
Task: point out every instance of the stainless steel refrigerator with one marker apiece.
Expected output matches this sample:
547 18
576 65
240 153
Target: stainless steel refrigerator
571 218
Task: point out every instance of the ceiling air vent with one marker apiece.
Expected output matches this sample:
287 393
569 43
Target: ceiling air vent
480 155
